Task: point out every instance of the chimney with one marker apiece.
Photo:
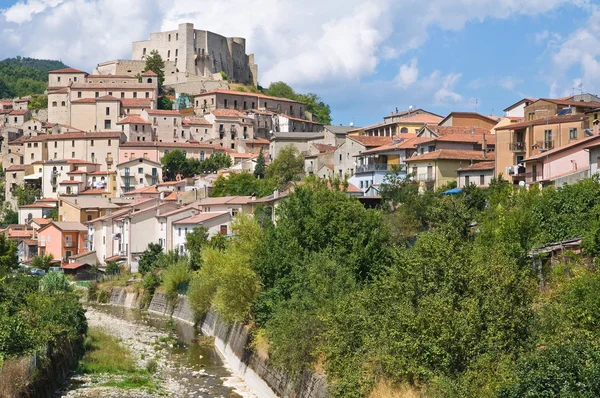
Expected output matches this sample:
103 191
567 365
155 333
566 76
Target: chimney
75 200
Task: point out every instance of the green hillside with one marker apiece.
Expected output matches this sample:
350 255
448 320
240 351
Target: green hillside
25 76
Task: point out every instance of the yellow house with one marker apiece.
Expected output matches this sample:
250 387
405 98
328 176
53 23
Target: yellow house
435 169
400 123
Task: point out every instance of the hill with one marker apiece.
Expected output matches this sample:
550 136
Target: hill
25 76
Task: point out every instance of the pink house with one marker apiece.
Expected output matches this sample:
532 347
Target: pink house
562 165
62 239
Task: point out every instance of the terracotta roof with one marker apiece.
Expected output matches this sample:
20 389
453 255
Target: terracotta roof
146 144
491 119
151 189
196 121
42 221
324 147
107 98
5 102
258 141
14 233
73 136
369 141
587 141
446 130
76 172
137 102
53 200
73 265
111 76
133 119
244 94
580 104
551 120
70 182
63 90
67 226
149 73
114 258
228 113
402 141
462 137
17 112
84 101
30 242
37 206
202 217
169 183
163 112
67 70
93 192
243 155
451 154
419 119
17 167
479 166
99 173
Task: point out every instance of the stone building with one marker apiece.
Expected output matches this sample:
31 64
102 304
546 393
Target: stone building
190 52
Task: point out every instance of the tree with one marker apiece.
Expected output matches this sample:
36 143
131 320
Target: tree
26 195
165 102
196 241
281 90
53 214
174 163
224 75
155 63
112 268
259 169
287 166
38 102
240 184
9 216
320 110
55 282
216 161
42 261
8 256
149 258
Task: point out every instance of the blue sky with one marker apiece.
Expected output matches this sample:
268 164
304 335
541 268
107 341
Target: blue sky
364 58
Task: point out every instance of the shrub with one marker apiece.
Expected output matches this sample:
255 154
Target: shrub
104 296
151 366
176 279
54 282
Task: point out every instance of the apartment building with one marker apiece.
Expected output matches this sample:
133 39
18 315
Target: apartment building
137 173
214 222
345 155
154 151
166 125
62 240
480 174
243 101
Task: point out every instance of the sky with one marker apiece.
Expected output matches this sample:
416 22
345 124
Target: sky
365 59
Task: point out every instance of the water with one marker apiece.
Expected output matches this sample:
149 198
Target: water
197 368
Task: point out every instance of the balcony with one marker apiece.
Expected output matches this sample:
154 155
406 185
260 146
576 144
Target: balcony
70 244
545 145
424 177
367 168
533 177
109 160
517 147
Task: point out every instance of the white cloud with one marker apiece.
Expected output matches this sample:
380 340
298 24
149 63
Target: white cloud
510 82
24 10
408 74
541 37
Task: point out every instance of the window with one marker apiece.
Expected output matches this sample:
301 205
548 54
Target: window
68 254
573 133
122 95
109 142
79 94
431 148
467 181
482 180
107 124
107 111
168 53
265 105
225 103
179 231
134 94
223 230
147 94
72 155
235 104
141 180
59 79
176 53
110 93
140 169
97 94
54 103
144 51
201 156
169 38
340 157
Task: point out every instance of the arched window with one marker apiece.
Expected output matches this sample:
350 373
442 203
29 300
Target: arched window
404 130
149 80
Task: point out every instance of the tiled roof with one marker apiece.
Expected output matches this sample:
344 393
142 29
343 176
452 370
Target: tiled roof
84 254
452 154
163 112
72 136
17 112
69 226
149 73
200 218
579 104
70 182
94 192
73 265
133 119
107 98
48 200
84 101
258 141
144 190
369 141
196 121
17 167
402 141
136 102
111 76
37 206
491 119
76 172
67 70
447 130
63 90
479 166
551 120
244 94
464 137
42 221
227 113
145 144
324 147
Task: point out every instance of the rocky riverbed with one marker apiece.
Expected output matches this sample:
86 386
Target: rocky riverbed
184 368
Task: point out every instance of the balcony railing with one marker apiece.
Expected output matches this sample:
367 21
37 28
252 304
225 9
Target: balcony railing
366 168
533 177
69 244
424 177
545 145
109 160
517 147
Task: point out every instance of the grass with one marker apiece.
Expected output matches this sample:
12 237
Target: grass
132 382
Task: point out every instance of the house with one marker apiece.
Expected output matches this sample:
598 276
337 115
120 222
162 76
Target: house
562 165
154 151
230 127
62 239
85 208
544 108
37 210
26 249
399 122
214 222
81 271
336 135
166 125
480 174
437 168
15 177
518 108
468 120
319 156
344 156
519 141
302 142
230 204
137 173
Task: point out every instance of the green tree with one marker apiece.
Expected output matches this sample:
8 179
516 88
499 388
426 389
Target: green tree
224 75
8 256
42 261
197 239
164 102
216 161
38 102
260 168
53 214
149 258
55 282
320 110
287 166
112 268
243 184
155 63
174 163
281 90
9 216
26 195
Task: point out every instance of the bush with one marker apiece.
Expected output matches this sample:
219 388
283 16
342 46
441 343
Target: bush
104 296
54 282
176 279
151 366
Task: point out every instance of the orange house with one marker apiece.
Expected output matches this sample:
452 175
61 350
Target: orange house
62 240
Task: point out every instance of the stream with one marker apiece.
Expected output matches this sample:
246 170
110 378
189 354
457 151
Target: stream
185 368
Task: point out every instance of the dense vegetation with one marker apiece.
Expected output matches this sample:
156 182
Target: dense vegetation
33 311
433 292
25 76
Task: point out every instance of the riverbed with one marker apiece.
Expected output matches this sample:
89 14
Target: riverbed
185 368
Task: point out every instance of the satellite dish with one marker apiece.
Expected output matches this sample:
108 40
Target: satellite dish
410 108
521 183
351 124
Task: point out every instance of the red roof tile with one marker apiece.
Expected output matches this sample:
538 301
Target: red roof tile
149 73
244 94
133 119
84 101
452 154
17 112
369 141
196 121
479 166
551 120
163 112
67 70
228 113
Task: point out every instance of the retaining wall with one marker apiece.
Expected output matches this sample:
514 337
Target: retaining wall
232 341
